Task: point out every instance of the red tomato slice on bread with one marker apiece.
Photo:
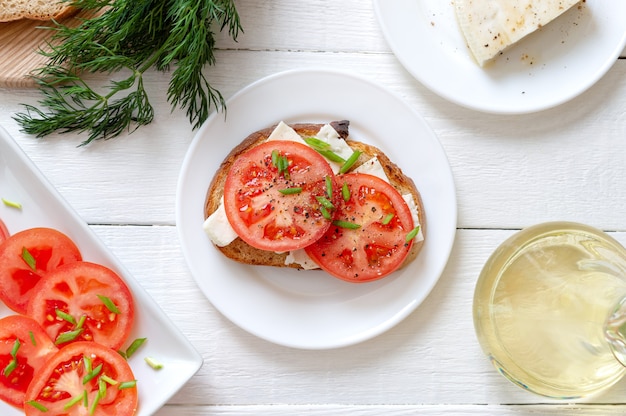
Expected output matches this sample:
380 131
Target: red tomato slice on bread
367 240
24 349
83 301
69 385
271 196
28 255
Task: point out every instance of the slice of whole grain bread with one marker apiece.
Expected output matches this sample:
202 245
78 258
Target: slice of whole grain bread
11 10
240 251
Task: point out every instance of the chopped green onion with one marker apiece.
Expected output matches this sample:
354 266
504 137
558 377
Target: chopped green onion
351 161
332 156
290 191
153 363
92 409
68 336
102 388
329 186
127 385
12 204
108 380
92 374
12 365
325 202
87 363
345 192
281 163
65 316
32 338
109 304
37 405
81 321
325 212
74 400
134 346
346 224
412 234
29 259
387 219
316 144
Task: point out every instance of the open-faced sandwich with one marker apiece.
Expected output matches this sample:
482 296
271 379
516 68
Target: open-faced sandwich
307 196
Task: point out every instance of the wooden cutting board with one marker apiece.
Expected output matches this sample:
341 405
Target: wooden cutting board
19 42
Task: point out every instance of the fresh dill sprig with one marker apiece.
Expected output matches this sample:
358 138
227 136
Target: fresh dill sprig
128 37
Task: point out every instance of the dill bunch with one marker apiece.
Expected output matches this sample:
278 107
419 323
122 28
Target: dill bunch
128 37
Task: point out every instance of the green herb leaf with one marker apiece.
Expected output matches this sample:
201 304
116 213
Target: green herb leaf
153 363
134 346
12 204
290 191
346 224
29 259
37 405
124 40
350 161
109 304
412 234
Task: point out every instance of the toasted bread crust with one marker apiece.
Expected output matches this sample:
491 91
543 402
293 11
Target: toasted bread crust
54 10
240 251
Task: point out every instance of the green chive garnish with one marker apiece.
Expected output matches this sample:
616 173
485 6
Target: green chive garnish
127 385
346 224
13 363
316 144
32 338
290 191
37 405
329 186
65 316
412 234
153 363
325 202
345 192
387 219
29 259
92 409
12 204
351 160
134 346
325 212
92 374
275 158
332 156
74 400
68 336
109 304
81 321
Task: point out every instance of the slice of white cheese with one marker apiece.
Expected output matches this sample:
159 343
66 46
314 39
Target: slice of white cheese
218 228
491 26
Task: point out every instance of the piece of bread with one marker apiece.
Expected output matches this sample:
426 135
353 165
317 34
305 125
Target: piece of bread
11 10
240 251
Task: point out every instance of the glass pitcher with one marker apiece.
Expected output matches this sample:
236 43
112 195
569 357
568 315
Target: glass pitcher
550 310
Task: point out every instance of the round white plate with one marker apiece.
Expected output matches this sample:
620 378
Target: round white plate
545 69
311 309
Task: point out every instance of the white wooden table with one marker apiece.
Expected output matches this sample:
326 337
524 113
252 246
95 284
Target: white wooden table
566 163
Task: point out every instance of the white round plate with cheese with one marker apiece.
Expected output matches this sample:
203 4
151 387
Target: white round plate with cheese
547 68
311 309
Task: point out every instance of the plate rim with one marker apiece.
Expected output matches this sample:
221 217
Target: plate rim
181 219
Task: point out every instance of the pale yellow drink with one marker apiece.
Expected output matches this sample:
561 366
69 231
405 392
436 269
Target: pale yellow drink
541 305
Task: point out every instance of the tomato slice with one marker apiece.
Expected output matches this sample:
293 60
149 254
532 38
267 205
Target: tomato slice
74 297
20 362
378 246
49 249
4 232
62 384
271 196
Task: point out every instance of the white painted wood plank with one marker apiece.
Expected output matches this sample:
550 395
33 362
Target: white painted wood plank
430 358
574 151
